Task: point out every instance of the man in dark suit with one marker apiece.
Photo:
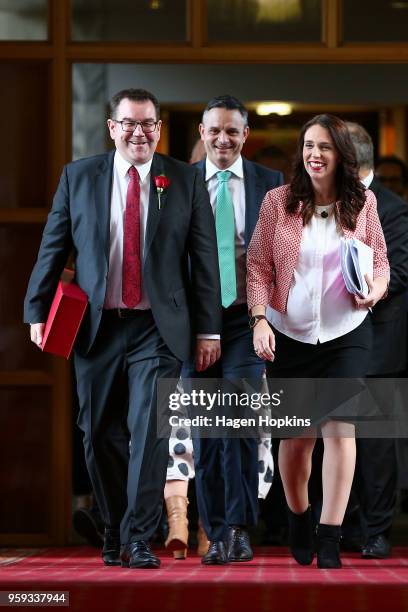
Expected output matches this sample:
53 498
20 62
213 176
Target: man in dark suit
376 471
227 469
133 236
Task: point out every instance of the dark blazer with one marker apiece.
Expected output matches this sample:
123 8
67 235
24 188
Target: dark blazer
182 304
389 315
258 180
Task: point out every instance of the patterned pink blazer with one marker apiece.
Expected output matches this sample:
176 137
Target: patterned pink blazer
275 245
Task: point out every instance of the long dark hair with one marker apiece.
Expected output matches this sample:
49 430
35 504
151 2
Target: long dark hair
349 190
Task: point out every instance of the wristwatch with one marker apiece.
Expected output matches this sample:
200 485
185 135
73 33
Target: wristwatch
255 319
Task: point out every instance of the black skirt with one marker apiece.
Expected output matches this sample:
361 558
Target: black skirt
312 394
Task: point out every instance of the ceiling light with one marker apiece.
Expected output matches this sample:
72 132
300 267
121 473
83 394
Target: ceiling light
277 108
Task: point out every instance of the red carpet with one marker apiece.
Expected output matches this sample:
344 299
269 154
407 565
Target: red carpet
273 581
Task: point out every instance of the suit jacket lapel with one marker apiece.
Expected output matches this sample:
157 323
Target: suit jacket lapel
154 213
253 198
374 186
102 194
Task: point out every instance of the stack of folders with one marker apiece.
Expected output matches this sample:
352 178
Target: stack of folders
356 261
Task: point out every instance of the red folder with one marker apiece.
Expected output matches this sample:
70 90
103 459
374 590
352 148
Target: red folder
65 316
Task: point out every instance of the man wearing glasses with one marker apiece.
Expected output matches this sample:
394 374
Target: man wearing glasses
133 219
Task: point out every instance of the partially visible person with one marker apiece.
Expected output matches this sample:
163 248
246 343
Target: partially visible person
146 257
198 152
392 172
181 468
180 471
306 324
275 158
86 518
375 483
227 469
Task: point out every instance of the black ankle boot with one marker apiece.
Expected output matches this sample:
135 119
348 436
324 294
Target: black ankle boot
301 536
328 546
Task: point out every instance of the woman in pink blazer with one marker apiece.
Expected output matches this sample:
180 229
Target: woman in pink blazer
305 323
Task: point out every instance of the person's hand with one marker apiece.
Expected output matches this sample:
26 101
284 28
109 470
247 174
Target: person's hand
206 354
264 340
376 289
36 333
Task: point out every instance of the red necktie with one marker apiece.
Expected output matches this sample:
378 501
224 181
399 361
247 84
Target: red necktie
131 268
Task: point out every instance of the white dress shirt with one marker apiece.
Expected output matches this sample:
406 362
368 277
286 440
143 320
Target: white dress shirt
236 186
121 178
368 179
319 306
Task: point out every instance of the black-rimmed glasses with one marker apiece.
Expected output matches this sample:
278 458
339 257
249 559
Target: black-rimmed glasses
130 126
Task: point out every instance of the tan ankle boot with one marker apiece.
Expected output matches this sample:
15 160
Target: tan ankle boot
202 540
177 540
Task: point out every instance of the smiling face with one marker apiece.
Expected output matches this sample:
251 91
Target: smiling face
136 147
223 132
320 155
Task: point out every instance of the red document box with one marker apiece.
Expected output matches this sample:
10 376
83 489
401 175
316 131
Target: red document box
65 316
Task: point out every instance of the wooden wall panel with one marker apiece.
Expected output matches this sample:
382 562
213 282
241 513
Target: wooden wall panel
18 251
25 442
24 110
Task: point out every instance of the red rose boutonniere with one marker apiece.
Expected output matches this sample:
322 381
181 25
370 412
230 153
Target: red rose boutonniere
162 183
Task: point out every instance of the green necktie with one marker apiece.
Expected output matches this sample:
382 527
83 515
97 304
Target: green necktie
225 226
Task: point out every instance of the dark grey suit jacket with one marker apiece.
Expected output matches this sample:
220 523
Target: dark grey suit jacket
389 315
183 304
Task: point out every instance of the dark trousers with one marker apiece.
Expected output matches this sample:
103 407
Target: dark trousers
81 484
375 480
227 469
375 484
118 415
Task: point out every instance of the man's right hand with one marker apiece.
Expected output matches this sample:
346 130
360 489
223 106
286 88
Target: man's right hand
206 354
36 333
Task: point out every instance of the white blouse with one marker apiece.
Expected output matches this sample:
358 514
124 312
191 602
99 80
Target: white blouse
319 306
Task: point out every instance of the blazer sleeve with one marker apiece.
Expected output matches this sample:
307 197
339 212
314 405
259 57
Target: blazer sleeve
204 271
56 245
375 239
395 227
260 262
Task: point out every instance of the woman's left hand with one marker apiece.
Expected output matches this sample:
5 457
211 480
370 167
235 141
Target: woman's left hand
376 289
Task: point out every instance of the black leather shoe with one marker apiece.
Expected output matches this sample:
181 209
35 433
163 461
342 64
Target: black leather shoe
301 536
111 547
377 547
328 546
216 555
239 547
139 555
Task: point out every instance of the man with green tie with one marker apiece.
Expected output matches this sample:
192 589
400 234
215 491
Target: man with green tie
227 469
